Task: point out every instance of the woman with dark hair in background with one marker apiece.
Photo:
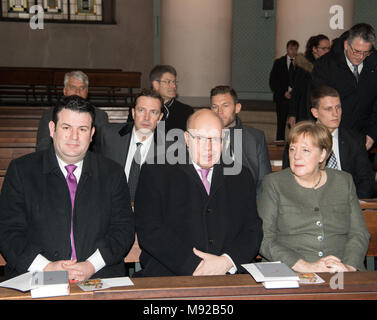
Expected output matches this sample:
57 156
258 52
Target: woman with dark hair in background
299 104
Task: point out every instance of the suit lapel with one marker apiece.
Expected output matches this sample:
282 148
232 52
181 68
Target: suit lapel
217 179
343 149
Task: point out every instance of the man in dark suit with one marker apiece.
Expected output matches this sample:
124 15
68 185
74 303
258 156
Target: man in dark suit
163 79
75 83
348 151
191 218
251 143
120 142
351 68
281 83
66 208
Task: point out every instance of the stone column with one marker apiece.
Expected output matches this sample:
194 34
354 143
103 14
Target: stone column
196 38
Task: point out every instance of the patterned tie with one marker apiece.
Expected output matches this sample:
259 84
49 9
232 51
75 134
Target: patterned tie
133 177
72 185
356 72
332 163
204 174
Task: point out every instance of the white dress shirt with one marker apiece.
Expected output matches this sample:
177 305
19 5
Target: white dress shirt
146 144
350 65
40 262
209 178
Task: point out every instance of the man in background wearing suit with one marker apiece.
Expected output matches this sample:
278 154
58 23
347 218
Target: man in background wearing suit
133 143
75 83
224 102
191 218
66 208
281 84
163 79
348 151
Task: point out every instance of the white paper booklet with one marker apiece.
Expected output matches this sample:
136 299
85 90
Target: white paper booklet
273 275
41 284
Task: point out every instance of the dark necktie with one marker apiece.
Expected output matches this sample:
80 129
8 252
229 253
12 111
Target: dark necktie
72 185
133 177
356 72
291 71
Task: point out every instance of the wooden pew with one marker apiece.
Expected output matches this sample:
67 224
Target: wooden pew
45 84
369 209
109 86
21 112
17 124
276 151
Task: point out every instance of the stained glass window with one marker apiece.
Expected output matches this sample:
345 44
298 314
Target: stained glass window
91 11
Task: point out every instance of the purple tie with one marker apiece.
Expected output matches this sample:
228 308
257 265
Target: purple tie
72 185
204 174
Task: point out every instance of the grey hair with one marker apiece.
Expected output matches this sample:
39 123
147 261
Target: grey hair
79 75
363 31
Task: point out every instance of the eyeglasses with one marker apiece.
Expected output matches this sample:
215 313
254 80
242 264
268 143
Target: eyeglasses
360 53
324 48
74 88
202 139
169 82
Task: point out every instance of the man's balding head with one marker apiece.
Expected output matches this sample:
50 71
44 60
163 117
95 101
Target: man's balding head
204 137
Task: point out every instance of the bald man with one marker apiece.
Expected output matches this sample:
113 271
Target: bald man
192 219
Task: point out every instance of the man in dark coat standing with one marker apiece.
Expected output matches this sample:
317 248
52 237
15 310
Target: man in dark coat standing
281 83
351 68
66 208
192 218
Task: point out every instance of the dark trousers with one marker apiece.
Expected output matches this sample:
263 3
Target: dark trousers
281 114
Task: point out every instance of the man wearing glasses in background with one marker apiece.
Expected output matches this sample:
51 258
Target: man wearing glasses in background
163 79
351 68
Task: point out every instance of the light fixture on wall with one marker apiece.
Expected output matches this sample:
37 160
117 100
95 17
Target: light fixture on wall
268 5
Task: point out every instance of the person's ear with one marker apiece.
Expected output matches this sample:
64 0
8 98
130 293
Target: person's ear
238 107
314 112
51 126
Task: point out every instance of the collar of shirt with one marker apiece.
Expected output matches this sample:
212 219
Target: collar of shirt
335 146
350 65
77 172
132 149
289 61
210 173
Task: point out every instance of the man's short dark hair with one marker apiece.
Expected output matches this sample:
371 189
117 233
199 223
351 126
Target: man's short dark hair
150 93
224 90
292 43
321 92
363 31
158 70
73 103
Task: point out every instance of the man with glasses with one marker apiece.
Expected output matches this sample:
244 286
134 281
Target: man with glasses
351 68
75 83
163 79
193 218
